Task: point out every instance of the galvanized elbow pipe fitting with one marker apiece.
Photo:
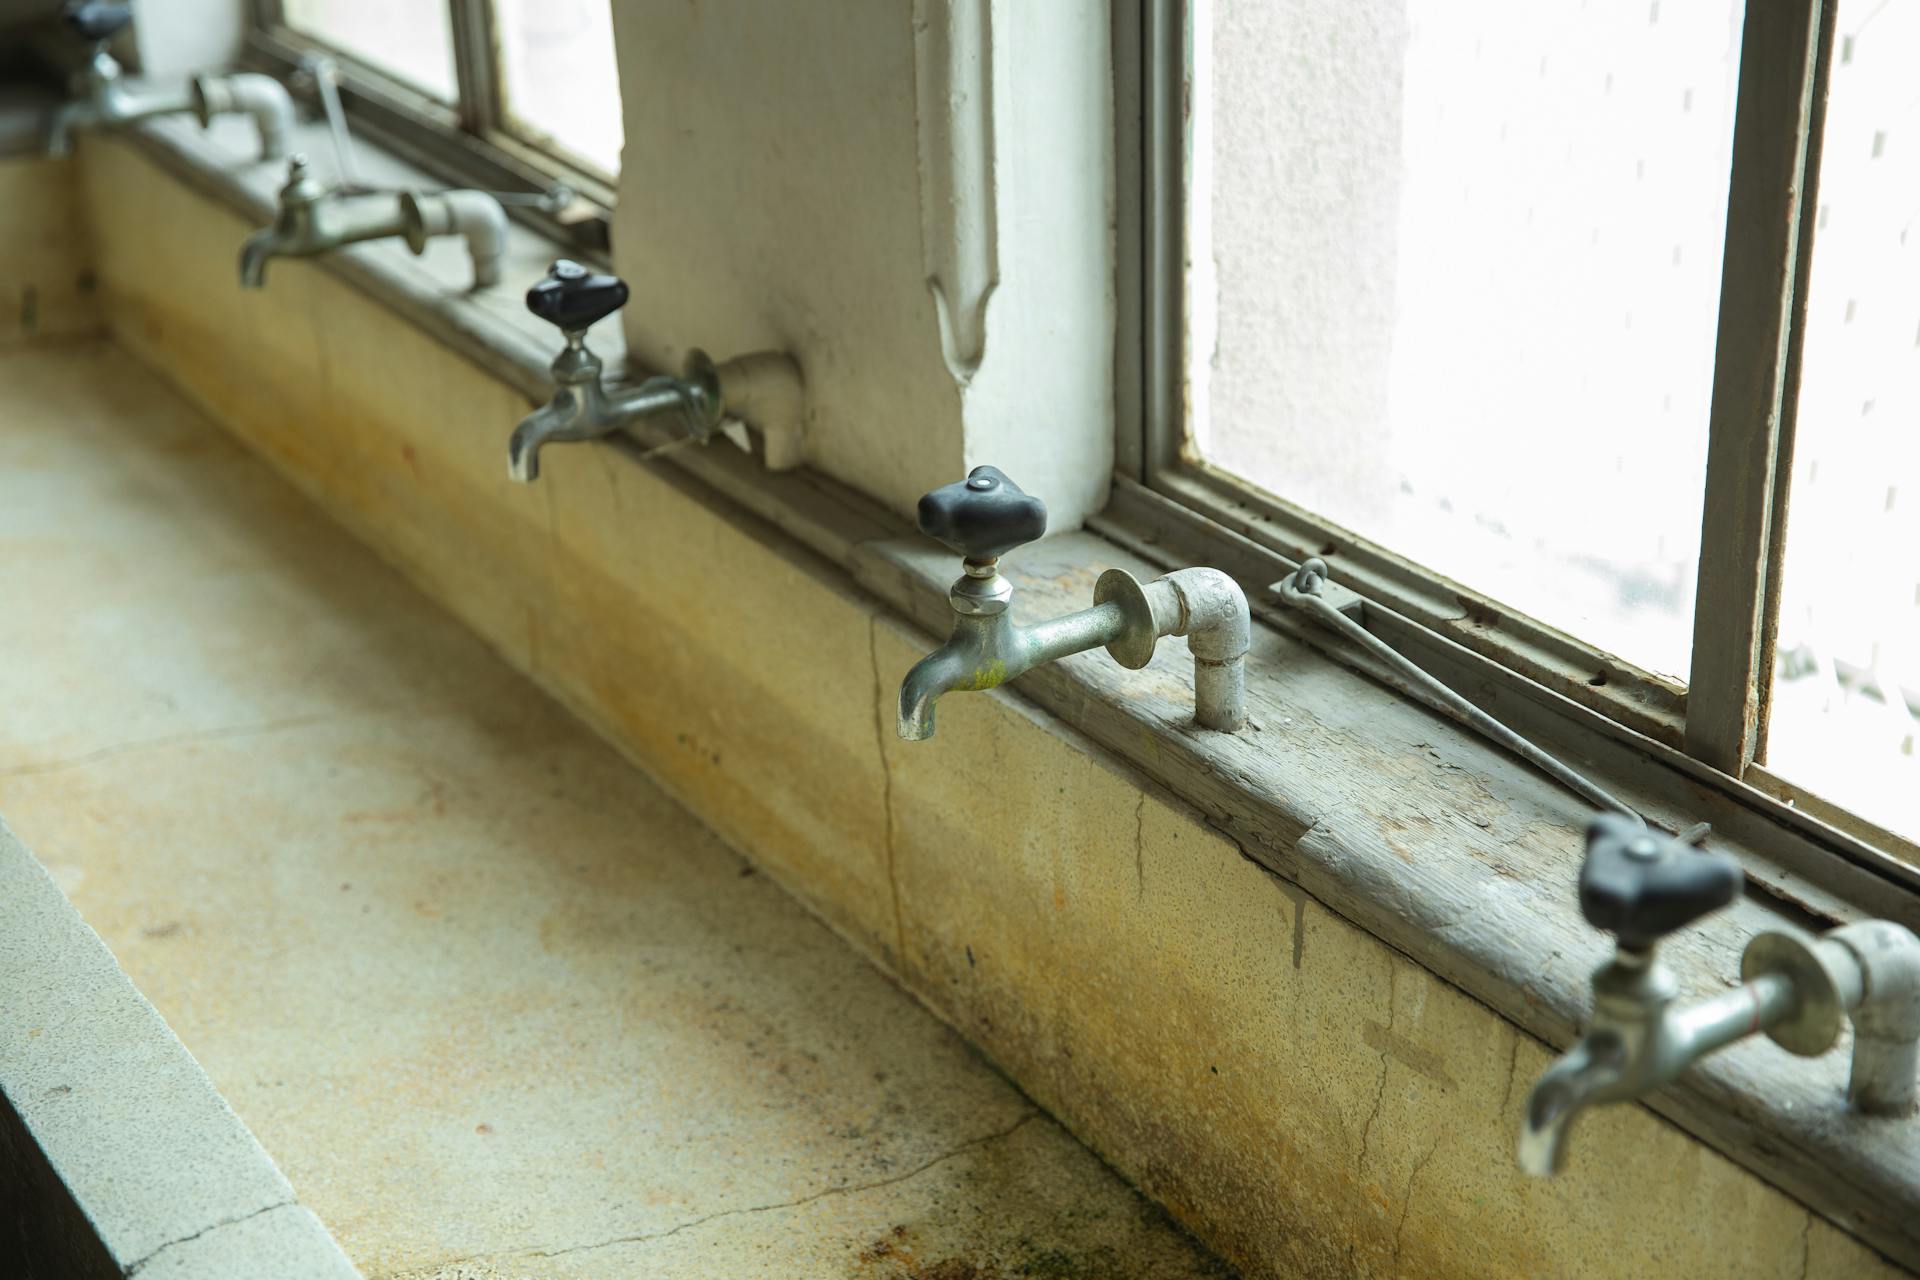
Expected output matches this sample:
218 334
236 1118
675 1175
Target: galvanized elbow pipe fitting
262 97
1870 970
473 214
1213 617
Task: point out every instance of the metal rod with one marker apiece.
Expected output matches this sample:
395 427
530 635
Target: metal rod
1733 1015
1302 591
326 80
552 200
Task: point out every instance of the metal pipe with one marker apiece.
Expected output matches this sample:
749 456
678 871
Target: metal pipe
262 97
109 104
65 118
476 215
581 410
1886 1021
1215 620
1697 1030
1072 633
1302 591
1797 991
326 80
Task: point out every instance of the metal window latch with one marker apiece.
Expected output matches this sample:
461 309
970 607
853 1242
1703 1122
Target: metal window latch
1341 599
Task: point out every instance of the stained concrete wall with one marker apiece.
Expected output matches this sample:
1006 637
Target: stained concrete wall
46 276
1301 1095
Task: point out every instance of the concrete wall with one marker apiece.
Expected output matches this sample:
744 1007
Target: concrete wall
169 38
46 274
1305 1098
772 195
177 37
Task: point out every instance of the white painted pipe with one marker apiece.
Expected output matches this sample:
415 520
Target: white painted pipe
764 390
1214 619
262 97
1886 1021
473 214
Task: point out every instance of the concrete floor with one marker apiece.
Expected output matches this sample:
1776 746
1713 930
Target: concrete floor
498 1006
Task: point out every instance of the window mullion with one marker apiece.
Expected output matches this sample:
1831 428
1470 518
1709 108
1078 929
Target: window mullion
1131 56
1166 91
475 65
1790 392
1783 62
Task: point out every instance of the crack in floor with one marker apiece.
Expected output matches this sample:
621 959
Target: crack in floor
177 740
972 1144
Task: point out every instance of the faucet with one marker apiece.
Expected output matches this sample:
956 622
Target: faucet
985 516
315 218
762 387
106 102
1642 885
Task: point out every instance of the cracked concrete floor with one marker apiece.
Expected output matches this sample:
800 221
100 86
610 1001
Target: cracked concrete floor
497 1005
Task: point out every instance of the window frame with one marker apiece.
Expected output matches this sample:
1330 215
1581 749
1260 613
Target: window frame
470 142
1553 685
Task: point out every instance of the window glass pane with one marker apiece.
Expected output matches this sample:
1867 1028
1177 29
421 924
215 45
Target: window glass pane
1848 661
1454 274
558 78
411 40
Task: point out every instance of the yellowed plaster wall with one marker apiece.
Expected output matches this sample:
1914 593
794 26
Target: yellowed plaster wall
1319 1107
46 275
777 191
